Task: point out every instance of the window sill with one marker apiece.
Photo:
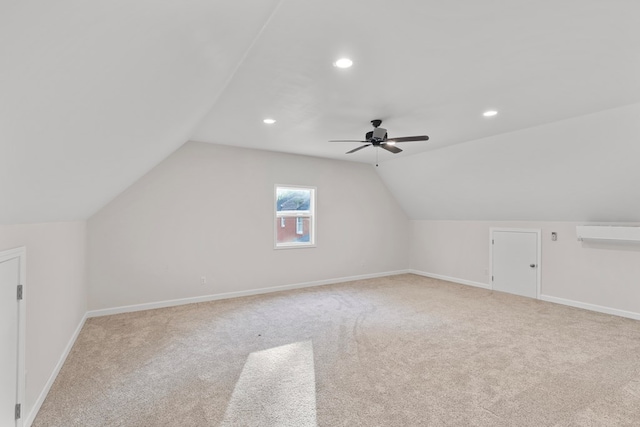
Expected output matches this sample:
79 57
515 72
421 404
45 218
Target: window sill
294 246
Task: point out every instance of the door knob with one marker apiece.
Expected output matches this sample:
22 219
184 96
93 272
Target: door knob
532 265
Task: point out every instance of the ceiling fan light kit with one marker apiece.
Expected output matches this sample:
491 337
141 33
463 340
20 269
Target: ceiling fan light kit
379 133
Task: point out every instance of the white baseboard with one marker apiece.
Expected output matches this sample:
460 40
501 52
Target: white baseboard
548 298
43 394
451 279
592 307
227 295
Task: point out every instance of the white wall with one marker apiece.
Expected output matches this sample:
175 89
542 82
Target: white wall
56 295
207 210
595 275
579 171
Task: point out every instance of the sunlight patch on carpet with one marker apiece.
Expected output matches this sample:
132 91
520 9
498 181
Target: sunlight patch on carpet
277 387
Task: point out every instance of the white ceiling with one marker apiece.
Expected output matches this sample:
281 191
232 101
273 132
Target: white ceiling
579 169
94 94
426 67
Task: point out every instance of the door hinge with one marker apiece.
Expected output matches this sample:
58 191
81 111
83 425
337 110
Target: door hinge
18 411
493 242
19 292
492 278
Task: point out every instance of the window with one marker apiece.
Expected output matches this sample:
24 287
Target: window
295 217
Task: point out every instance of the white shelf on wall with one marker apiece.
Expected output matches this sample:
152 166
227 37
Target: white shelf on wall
608 232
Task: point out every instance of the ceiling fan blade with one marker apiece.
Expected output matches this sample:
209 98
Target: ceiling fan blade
390 147
346 140
409 138
356 149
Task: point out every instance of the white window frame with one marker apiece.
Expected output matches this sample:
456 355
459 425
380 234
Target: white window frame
311 214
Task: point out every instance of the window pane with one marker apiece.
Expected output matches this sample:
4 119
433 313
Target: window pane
295 230
293 199
295 217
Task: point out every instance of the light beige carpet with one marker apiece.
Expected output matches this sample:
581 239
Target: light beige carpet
397 351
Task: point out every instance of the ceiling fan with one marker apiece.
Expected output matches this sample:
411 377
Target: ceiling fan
378 138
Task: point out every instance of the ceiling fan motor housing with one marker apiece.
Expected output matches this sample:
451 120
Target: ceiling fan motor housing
378 134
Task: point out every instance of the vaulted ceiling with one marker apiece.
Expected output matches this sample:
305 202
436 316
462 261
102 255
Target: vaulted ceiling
94 94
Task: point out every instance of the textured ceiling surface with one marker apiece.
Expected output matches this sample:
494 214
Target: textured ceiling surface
96 94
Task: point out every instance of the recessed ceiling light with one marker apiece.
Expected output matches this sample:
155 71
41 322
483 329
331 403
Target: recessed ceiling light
343 63
269 121
490 113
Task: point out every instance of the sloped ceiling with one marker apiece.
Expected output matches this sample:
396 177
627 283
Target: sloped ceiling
582 169
93 95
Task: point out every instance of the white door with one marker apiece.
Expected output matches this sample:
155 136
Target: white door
514 261
9 334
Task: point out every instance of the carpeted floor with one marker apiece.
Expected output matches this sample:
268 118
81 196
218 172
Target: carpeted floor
396 351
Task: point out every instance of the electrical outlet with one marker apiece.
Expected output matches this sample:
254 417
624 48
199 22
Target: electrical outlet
203 280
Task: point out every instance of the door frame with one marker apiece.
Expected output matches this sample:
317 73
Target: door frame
538 233
21 254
